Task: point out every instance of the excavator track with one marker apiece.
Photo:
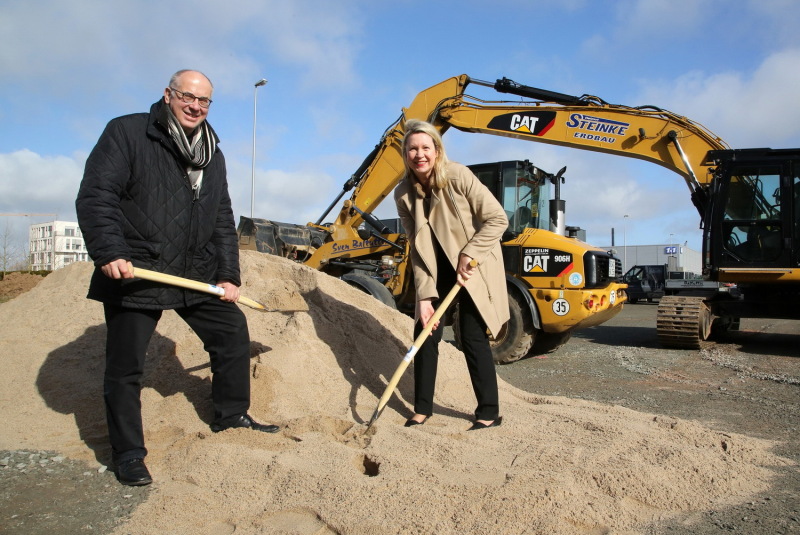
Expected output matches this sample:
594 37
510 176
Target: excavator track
683 322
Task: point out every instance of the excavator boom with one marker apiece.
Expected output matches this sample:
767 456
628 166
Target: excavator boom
588 123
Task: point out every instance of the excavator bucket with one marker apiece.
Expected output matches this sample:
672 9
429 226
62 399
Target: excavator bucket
281 239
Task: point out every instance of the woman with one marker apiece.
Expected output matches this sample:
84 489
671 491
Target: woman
451 219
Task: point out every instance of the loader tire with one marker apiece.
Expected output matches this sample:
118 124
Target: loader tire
547 342
515 338
370 286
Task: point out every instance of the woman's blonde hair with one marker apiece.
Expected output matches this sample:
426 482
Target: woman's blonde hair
439 175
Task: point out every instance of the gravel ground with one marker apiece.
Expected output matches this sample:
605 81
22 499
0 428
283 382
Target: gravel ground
748 383
43 493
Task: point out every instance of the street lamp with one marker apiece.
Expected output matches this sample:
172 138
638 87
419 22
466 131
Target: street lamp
258 84
625 243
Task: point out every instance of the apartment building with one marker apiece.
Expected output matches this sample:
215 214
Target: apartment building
56 244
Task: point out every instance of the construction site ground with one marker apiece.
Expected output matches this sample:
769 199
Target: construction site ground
747 384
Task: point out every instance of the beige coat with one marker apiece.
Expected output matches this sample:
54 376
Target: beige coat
464 218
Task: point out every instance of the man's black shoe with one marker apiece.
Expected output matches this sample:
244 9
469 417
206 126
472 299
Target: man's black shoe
133 472
244 422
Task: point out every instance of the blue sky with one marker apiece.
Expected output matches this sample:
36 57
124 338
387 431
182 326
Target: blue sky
340 71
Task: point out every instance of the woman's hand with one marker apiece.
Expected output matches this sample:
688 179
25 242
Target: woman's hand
466 268
425 312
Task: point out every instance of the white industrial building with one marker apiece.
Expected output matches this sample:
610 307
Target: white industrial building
56 244
676 257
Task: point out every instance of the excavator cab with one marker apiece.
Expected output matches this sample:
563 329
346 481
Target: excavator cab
754 216
752 232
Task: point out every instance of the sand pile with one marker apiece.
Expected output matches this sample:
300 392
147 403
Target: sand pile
556 466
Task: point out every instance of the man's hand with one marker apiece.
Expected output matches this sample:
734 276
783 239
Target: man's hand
231 291
118 269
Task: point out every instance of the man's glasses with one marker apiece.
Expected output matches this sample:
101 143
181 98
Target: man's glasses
188 98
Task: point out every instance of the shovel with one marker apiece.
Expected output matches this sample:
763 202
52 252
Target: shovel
155 276
413 351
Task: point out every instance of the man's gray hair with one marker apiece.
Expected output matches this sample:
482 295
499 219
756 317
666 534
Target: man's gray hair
174 79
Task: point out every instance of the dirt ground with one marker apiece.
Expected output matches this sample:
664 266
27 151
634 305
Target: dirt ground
16 283
747 385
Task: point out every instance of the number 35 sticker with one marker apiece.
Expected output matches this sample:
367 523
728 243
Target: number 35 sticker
560 307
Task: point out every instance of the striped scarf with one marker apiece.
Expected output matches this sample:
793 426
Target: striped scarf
196 153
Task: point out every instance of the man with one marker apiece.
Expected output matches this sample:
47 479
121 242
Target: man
155 195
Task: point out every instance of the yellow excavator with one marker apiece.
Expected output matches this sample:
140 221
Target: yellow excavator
746 200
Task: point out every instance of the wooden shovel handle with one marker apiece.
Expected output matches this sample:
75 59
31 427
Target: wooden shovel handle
190 284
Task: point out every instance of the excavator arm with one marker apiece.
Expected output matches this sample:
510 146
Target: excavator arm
589 123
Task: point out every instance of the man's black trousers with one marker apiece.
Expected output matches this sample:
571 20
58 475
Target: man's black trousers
221 326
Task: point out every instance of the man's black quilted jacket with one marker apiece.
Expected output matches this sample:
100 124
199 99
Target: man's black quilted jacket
135 202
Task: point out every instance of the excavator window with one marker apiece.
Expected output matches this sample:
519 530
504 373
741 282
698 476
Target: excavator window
796 209
753 220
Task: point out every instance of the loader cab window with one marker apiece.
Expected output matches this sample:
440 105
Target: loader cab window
753 220
489 175
517 198
522 190
492 176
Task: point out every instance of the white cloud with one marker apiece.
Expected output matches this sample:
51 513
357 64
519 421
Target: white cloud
753 110
297 196
326 43
43 188
650 17
634 26
31 183
99 42
294 197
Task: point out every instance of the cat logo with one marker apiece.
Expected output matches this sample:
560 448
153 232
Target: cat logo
522 123
535 264
530 123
